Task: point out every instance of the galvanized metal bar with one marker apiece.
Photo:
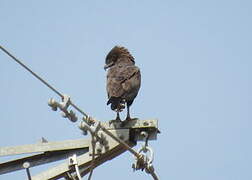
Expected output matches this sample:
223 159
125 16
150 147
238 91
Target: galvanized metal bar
39 159
43 147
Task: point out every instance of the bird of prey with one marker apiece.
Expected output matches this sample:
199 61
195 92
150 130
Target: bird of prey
123 80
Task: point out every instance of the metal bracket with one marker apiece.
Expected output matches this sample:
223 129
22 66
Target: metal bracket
137 126
72 161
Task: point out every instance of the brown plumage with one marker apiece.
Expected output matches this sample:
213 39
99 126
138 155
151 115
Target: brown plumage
123 79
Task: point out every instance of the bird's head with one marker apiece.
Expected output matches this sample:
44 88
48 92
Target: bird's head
116 55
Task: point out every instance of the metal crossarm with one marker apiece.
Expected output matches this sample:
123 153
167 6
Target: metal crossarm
43 147
108 146
52 151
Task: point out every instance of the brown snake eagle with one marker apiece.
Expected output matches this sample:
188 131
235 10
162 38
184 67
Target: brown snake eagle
123 80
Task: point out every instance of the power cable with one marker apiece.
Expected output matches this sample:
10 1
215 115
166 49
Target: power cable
42 80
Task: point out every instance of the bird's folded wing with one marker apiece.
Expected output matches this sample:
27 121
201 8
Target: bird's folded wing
123 80
132 79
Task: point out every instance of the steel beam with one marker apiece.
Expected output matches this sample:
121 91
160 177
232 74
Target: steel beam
39 159
43 147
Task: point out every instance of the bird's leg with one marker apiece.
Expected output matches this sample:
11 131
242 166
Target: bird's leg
117 116
127 118
117 120
128 114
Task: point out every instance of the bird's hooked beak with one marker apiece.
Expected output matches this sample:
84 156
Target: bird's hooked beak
108 65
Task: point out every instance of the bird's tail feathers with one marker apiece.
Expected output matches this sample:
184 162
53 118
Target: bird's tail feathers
116 103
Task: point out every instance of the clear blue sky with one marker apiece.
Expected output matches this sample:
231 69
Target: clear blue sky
195 58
